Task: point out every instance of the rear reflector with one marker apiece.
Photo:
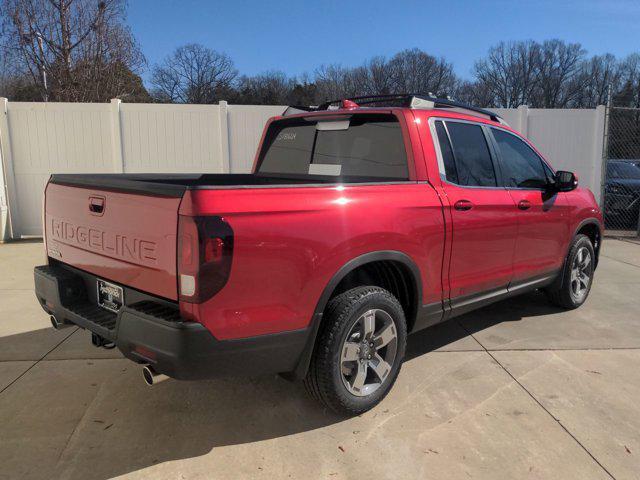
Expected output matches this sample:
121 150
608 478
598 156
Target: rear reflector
187 285
205 249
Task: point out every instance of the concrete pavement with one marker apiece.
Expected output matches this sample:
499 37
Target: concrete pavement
519 389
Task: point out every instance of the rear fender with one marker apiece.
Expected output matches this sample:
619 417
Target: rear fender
305 358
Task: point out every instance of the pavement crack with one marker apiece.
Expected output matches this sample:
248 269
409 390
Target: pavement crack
540 404
75 428
38 361
620 261
561 349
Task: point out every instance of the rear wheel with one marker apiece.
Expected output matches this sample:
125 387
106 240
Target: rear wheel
577 276
359 350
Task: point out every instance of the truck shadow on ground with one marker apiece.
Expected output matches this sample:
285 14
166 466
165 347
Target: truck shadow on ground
533 304
128 426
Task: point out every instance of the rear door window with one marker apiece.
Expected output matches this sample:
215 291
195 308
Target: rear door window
450 171
473 164
360 146
521 166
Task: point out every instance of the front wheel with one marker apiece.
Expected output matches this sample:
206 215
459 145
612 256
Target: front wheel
577 275
359 350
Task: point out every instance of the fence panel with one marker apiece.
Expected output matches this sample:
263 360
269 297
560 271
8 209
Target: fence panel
44 138
570 139
622 172
53 137
246 123
171 138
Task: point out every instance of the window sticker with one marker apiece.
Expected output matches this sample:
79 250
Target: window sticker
325 169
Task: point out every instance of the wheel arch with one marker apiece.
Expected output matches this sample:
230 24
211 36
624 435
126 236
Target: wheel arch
593 229
398 259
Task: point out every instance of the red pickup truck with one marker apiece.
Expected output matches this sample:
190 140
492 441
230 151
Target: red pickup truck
363 220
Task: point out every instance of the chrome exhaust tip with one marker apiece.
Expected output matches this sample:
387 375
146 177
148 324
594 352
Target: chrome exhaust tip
57 324
151 377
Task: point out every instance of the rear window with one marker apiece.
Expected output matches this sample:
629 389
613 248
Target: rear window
356 147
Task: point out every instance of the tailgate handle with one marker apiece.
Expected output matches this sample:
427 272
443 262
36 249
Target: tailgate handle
96 205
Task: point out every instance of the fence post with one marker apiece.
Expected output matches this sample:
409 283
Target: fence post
9 213
600 139
116 136
224 136
523 120
4 213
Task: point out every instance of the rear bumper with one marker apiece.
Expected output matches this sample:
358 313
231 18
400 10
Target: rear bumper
149 330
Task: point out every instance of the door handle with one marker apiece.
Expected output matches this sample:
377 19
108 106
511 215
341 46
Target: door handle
524 204
463 205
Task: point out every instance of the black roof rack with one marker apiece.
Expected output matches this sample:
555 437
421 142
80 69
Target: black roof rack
410 100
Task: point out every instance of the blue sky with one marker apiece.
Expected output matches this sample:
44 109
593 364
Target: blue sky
297 36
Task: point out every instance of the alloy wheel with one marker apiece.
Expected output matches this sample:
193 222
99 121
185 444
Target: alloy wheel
581 272
368 352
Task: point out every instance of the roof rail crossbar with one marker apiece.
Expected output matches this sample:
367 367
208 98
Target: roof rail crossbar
403 99
411 100
446 103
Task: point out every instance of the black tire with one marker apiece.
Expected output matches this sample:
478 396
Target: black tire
324 381
564 294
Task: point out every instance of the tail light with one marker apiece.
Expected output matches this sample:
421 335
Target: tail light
205 249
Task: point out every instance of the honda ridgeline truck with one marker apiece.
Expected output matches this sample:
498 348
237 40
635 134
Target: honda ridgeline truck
363 221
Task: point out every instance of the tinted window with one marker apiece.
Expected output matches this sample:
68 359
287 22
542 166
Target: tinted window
290 150
521 166
447 154
622 170
471 154
549 172
364 146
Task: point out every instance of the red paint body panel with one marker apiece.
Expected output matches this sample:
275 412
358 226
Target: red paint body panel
483 240
543 233
289 241
133 241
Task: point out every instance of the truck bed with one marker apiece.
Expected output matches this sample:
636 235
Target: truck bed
174 185
123 227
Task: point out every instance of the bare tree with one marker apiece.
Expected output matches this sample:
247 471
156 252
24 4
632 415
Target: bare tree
271 88
193 74
475 93
409 71
304 91
73 50
628 94
5 73
548 75
373 77
415 71
509 72
335 81
597 75
558 79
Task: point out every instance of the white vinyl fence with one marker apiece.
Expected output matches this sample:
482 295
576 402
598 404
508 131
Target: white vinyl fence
37 139
570 139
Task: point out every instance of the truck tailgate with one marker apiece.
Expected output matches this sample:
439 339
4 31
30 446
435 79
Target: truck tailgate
127 238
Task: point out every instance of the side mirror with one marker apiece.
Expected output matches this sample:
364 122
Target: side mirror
565 181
